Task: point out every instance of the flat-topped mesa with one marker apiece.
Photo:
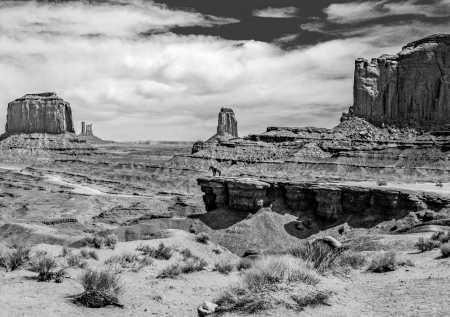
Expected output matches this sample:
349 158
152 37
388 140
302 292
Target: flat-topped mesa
227 123
39 113
409 89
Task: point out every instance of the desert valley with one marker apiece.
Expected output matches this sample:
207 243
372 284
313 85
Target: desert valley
293 221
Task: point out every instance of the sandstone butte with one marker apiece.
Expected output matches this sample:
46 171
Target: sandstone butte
39 113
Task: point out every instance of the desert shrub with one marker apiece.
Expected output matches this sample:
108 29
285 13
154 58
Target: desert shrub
381 182
224 267
426 244
445 250
188 265
44 266
311 299
170 271
93 254
442 237
161 252
85 253
66 251
186 253
101 288
242 300
13 260
355 260
244 264
320 255
98 242
269 272
202 238
73 260
111 241
58 276
128 261
387 262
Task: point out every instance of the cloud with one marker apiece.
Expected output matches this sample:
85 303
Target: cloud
167 86
351 12
269 12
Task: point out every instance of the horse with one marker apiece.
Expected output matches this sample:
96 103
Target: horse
215 170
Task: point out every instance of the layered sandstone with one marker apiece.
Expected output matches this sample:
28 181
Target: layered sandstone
409 89
227 123
39 113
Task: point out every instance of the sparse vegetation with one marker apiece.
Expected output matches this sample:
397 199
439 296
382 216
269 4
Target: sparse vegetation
242 300
128 261
224 267
320 255
442 237
98 242
202 238
14 259
244 264
445 250
111 241
66 251
161 253
44 266
355 260
100 289
424 245
387 262
188 265
73 260
381 182
311 299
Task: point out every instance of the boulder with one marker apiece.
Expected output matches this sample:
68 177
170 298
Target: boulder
205 309
39 113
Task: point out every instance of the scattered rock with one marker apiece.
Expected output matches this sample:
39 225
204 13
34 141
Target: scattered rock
207 308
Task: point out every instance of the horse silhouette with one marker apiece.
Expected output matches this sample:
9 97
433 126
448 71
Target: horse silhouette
215 170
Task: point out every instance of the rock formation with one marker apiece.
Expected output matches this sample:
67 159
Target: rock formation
86 129
39 113
227 123
409 89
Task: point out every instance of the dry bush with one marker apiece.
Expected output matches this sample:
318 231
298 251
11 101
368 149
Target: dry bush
442 237
111 241
13 260
202 238
93 255
44 266
445 250
160 253
381 182
170 271
73 260
244 264
242 300
186 253
224 267
426 244
98 242
66 251
319 254
387 262
351 259
85 253
269 272
128 261
188 265
100 289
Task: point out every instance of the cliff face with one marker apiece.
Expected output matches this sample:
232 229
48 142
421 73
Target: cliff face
227 123
39 113
410 89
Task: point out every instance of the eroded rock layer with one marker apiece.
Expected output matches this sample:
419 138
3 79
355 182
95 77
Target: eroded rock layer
411 88
39 113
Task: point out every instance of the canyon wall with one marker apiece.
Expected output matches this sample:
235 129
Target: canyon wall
227 123
39 113
409 89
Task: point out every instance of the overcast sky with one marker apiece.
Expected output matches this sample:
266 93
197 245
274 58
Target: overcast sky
161 70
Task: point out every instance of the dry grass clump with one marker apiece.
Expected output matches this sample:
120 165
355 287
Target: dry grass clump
351 259
75 261
311 299
111 241
442 237
44 265
98 242
202 238
319 254
240 299
100 289
188 265
128 261
387 262
160 253
424 245
14 259
445 250
89 254
224 267
244 264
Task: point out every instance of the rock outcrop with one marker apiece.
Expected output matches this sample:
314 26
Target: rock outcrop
409 89
39 113
86 129
227 123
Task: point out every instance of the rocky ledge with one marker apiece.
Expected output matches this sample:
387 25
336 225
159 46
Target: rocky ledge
328 202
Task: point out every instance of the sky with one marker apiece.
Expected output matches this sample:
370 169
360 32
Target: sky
161 70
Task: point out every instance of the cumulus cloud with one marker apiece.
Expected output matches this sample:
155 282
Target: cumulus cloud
166 86
360 11
269 12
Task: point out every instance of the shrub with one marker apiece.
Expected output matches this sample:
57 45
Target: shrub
73 260
202 238
15 259
186 253
58 276
445 250
224 267
271 271
244 264
170 271
98 242
242 300
100 289
381 182
311 299
129 261
111 241
351 259
426 244
66 251
160 253
43 265
442 237
385 262
85 253
319 254
189 265
93 254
